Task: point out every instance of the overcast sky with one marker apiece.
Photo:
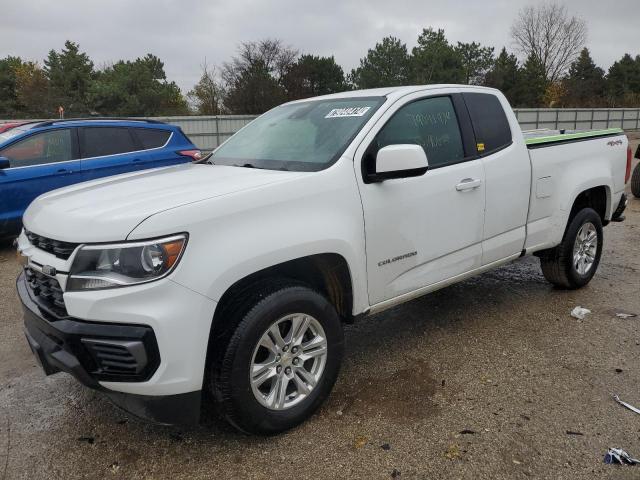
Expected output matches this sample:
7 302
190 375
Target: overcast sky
183 33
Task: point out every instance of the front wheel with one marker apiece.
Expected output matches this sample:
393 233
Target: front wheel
281 362
635 182
574 262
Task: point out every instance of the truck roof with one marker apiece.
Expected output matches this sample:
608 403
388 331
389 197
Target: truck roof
396 92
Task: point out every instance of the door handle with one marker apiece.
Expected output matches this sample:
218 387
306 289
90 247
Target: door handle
136 160
64 170
468 184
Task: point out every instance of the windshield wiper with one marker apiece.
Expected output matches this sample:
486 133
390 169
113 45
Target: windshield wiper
205 159
246 165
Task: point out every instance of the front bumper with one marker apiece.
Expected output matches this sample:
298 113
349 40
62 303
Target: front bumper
95 352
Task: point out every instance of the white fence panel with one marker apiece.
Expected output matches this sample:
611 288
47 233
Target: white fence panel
578 118
207 132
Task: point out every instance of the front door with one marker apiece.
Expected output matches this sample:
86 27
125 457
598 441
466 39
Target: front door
38 163
422 230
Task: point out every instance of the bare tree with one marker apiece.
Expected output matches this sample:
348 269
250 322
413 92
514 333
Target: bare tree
547 33
253 78
207 95
269 54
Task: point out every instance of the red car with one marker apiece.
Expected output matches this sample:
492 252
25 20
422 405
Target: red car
9 125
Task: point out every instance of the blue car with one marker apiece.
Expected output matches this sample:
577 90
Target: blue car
42 156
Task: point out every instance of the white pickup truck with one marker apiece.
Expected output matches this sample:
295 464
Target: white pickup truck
227 283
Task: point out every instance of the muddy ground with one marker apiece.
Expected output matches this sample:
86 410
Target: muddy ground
490 378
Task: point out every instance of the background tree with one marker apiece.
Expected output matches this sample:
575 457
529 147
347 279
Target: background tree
32 91
386 65
253 77
505 75
585 84
207 95
8 94
476 61
555 95
137 88
434 60
623 82
311 76
70 73
547 33
534 84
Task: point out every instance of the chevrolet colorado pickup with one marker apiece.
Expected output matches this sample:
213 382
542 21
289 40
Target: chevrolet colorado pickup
227 283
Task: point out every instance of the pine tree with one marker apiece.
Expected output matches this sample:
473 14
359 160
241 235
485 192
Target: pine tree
506 77
435 60
585 84
534 84
70 73
386 65
623 81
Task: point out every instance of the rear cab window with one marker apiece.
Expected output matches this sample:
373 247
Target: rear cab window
490 123
103 141
152 137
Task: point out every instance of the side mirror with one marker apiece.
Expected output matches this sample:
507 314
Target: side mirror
4 163
399 161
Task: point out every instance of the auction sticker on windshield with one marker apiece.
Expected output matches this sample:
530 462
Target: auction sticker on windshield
347 112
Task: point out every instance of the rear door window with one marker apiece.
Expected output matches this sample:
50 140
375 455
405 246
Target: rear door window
152 137
47 147
490 123
102 141
431 123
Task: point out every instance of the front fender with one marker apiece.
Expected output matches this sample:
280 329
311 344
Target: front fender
235 235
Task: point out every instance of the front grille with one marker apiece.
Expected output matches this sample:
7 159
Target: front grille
117 357
56 247
47 292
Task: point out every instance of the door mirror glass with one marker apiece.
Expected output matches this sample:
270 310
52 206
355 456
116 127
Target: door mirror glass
4 163
399 161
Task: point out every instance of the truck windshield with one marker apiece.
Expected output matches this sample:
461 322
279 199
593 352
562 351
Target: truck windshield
305 137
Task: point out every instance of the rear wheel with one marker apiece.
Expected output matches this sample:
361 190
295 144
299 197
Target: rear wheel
574 262
281 361
635 182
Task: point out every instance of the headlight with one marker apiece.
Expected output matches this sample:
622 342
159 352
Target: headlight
124 264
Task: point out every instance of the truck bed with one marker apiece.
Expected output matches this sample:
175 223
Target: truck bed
564 164
547 137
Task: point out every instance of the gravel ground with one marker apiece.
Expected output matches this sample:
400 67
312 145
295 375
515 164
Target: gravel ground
490 378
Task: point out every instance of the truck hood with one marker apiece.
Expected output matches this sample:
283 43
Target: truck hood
109 209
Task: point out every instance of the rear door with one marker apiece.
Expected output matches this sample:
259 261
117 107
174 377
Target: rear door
423 230
39 163
508 176
107 150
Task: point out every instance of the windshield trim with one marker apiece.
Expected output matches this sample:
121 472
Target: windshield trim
275 164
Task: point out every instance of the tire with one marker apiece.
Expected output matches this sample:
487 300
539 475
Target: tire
558 265
249 406
635 181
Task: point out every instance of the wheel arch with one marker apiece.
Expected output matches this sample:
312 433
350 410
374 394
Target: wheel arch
327 273
598 197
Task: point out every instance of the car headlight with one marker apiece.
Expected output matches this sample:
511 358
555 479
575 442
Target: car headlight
124 264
